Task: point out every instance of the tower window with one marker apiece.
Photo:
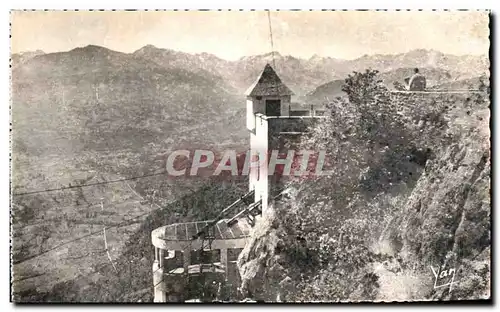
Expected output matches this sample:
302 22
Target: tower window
273 107
258 173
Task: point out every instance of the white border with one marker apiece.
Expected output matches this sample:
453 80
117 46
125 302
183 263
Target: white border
256 4
189 4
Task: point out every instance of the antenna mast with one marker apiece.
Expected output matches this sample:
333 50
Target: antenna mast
271 36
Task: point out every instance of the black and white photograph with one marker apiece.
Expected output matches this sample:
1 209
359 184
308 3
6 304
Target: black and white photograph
248 156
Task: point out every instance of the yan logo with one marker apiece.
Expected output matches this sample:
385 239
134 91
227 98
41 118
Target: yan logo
443 277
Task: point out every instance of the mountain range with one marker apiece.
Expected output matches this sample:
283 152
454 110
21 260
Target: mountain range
96 99
94 114
303 75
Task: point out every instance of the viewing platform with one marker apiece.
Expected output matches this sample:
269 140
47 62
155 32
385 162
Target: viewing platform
183 262
284 124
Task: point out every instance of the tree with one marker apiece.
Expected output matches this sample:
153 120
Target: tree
336 216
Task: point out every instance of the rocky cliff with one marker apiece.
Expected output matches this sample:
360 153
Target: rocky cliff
446 219
443 221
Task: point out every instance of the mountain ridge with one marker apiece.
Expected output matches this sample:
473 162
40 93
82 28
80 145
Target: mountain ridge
302 75
277 53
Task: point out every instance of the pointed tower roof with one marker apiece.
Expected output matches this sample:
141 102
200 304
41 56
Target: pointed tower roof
268 84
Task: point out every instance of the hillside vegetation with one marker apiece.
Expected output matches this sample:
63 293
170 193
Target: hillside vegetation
131 282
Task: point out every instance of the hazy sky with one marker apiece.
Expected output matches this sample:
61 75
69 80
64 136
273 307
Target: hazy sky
231 35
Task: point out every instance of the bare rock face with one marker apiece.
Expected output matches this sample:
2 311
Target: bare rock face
263 277
448 210
446 221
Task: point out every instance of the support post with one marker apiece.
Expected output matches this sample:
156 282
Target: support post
187 260
158 278
224 262
161 258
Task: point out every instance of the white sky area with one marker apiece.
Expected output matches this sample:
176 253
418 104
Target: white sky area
231 35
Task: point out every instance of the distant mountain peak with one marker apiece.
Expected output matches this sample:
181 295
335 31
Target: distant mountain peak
276 54
91 48
152 49
21 57
422 52
273 53
31 53
148 47
315 57
205 55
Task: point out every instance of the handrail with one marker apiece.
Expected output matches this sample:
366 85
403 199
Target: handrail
437 91
239 214
222 214
244 212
